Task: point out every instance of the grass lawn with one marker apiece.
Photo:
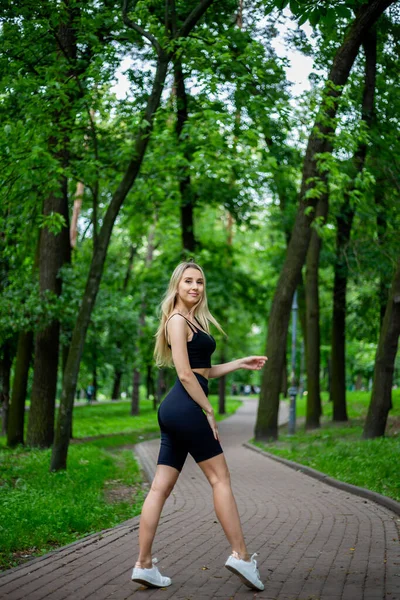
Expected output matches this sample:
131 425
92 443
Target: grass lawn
101 487
338 450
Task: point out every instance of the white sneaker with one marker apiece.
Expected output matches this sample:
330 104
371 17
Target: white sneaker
246 570
150 577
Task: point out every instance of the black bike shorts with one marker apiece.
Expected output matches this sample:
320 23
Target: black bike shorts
185 428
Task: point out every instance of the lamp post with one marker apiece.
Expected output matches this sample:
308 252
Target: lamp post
293 388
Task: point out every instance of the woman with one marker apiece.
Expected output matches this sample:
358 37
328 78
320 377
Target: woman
183 339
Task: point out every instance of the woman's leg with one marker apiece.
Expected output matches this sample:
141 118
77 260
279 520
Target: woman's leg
163 484
217 472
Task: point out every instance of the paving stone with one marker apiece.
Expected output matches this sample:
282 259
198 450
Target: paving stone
314 542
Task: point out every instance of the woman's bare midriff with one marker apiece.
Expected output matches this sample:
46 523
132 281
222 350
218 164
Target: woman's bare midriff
203 372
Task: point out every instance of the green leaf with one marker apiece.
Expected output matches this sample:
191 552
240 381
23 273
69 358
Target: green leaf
314 17
330 18
343 11
54 222
294 6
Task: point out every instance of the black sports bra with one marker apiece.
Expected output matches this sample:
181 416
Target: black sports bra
200 347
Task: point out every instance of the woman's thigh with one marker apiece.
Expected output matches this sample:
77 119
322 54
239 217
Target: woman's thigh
215 469
164 479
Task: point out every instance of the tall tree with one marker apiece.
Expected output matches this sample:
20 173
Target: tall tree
381 228
15 428
54 252
6 358
344 224
141 324
319 142
381 398
186 192
116 390
54 246
313 362
164 55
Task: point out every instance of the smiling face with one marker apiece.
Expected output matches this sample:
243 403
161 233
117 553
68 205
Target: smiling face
191 287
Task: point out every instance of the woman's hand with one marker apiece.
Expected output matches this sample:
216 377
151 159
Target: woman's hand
213 424
253 363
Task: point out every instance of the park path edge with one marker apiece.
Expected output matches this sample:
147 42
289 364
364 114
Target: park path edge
385 501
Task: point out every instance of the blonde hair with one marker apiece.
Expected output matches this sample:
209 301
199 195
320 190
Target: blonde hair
162 353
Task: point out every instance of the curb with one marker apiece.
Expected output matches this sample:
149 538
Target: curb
341 485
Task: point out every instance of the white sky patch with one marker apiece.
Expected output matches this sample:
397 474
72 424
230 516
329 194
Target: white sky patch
122 87
300 65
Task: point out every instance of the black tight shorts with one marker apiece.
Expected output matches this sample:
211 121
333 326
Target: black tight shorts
185 428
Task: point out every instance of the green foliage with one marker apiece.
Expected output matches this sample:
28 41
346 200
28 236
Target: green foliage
54 222
322 11
242 148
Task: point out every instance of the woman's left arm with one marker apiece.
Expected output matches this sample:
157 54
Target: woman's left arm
252 363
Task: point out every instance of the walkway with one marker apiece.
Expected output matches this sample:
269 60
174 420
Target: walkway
314 542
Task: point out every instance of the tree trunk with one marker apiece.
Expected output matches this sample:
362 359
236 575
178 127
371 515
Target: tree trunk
135 392
15 429
381 397
313 356
384 281
187 201
344 224
359 382
222 386
116 391
338 364
142 321
222 395
381 228
54 252
73 234
5 370
319 142
329 372
149 382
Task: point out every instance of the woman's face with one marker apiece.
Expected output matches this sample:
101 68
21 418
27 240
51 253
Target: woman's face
191 286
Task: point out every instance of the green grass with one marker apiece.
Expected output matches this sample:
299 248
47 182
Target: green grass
357 404
338 450
42 510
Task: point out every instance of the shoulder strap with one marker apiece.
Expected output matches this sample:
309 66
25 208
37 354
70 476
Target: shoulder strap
187 321
201 326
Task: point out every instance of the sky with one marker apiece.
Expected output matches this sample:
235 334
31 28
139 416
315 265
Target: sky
300 65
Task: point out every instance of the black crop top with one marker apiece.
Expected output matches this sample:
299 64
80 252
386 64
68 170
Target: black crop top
200 347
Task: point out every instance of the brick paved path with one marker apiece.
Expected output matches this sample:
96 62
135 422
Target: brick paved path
314 542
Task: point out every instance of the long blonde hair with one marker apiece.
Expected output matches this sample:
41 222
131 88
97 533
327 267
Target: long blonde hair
162 353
